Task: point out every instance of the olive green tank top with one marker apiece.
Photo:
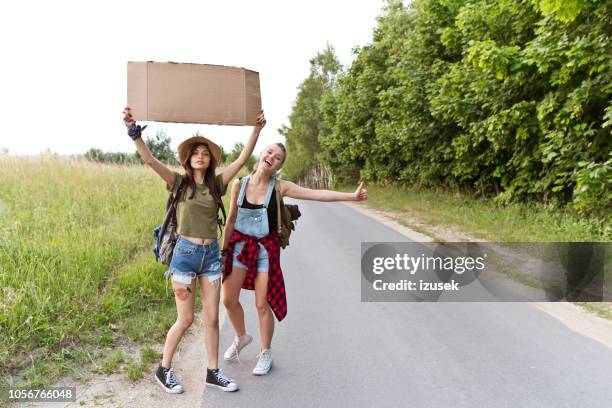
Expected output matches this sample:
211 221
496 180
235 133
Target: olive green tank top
197 217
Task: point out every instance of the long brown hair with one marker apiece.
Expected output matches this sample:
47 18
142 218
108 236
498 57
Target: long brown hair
209 175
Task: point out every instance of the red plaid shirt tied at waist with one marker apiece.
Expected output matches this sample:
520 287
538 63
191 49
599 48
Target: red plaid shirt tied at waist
248 256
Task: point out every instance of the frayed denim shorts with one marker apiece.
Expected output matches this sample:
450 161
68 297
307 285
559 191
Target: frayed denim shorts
190 260
262 257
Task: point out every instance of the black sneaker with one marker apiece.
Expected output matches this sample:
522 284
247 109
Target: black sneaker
217 378
165 377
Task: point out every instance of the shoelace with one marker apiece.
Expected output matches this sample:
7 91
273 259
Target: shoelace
223 378
235 345
171 379
264 357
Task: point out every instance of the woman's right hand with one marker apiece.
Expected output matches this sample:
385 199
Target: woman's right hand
134 131
127 117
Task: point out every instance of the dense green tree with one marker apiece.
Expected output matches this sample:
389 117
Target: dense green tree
508 98
159 145
235 153
305 121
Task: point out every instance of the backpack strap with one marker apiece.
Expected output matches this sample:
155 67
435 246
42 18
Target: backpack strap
278 204
243 184
221 222
171 207
269 192
174 197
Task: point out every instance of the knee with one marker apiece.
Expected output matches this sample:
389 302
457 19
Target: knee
211 319
262 307
185 321
230 303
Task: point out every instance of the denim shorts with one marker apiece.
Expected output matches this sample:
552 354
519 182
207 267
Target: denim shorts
262 257
190 260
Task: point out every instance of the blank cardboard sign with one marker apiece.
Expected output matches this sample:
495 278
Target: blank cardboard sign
193 93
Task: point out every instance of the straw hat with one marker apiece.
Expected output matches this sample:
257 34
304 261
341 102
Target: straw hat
183 148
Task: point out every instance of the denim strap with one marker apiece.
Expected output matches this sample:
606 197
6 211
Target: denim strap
243 185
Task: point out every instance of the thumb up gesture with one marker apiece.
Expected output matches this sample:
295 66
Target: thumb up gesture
361 193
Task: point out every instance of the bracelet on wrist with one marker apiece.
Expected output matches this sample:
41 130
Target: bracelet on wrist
135 131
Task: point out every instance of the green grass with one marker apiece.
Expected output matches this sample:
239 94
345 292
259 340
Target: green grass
603 310
77 274
149 355
425 210
135 369
484 219
111 362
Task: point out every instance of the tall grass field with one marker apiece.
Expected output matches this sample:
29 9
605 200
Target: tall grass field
76 268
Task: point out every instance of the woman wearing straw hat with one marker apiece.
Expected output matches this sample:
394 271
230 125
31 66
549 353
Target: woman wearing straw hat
196 254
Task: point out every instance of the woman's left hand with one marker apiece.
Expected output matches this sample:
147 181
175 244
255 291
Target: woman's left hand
261 121
361 193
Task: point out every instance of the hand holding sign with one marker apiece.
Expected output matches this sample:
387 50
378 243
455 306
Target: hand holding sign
127 118
134 131
261 121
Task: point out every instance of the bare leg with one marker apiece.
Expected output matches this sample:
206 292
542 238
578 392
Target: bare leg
266 318
211 293
231 299
184 297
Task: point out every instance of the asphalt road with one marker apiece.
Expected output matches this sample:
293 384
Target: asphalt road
333 350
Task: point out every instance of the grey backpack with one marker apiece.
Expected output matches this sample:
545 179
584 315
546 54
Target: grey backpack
165 234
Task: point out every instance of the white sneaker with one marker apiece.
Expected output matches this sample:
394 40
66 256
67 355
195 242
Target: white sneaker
265 362
233 351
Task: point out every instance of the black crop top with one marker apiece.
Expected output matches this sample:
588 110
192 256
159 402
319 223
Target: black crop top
272 214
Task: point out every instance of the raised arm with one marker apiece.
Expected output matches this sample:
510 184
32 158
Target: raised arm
231 170
164 172
292 190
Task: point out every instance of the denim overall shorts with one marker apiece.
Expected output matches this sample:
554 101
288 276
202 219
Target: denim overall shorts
253 222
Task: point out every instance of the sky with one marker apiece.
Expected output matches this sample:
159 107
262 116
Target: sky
63 79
